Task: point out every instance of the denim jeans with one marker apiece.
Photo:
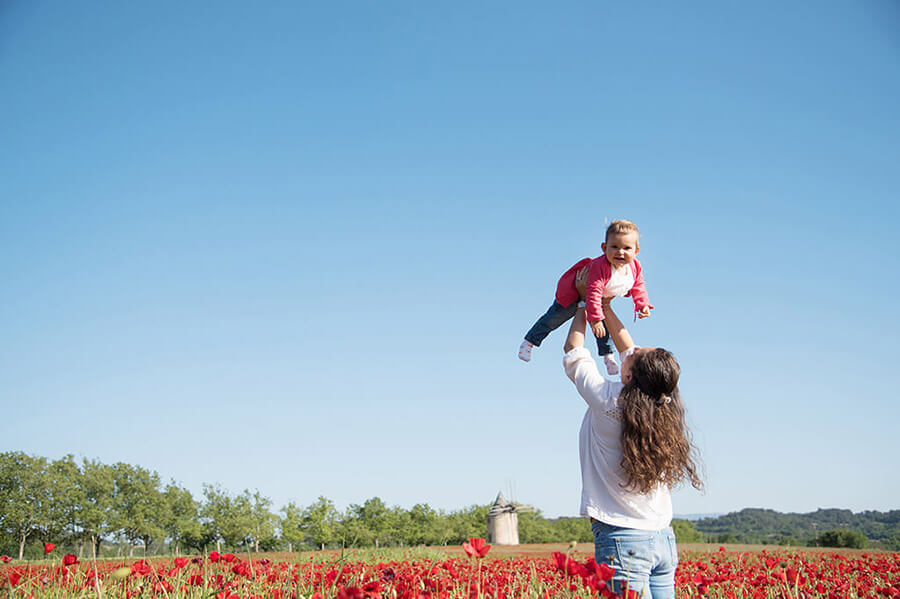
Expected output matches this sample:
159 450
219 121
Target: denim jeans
555 316
645 559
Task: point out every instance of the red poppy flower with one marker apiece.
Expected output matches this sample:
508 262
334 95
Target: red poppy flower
350 593
69 559
14 578
228 557
48 547
214 556
5 559
476 547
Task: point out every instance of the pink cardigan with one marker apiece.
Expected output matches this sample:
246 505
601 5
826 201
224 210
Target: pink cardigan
598 275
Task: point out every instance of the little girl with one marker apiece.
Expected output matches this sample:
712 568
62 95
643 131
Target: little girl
616 273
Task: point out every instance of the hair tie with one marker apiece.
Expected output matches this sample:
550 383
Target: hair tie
665 399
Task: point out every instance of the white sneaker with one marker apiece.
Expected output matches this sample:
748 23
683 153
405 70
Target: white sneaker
525 351
612 368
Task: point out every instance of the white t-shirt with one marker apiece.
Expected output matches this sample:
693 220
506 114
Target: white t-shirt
620 282
602 478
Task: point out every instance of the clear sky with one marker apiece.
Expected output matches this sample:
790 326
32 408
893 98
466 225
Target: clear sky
294 246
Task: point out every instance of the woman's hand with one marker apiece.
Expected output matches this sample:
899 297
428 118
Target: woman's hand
581 279
617 331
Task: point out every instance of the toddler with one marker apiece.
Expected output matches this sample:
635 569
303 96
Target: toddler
616 273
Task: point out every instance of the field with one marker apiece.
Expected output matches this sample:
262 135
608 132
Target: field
533 571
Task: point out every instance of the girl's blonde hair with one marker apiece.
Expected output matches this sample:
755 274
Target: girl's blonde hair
656 445
618 227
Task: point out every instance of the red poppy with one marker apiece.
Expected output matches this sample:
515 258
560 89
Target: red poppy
48 547
14 578
228 557
69 559
476 547
350 593
214 556
5 559
181 562
140 568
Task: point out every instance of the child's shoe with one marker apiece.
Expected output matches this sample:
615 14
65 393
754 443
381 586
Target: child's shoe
525 351
612 368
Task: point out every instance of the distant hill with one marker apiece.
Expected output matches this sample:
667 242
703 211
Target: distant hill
755 525
693 517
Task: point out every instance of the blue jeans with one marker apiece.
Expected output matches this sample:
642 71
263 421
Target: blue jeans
554 318
645 559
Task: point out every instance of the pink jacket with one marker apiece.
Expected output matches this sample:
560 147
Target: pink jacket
598 276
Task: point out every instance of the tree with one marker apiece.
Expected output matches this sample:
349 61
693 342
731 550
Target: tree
65 498
534 528
375 521
290 525
181 521
261 519
227 518
94 517
843 538
137 505
686 532
24 495
320 520
469 522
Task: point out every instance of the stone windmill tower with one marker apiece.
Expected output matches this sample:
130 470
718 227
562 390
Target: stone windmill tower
503 521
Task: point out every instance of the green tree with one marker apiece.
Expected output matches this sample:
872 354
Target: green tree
843 538
534 528
95 514
468 522
181 518
290 524
228 518
572 529
320 520
686 532
261 519
422 525
376 519
138 506
24 496
65 498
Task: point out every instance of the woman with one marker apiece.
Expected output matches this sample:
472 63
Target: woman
634 447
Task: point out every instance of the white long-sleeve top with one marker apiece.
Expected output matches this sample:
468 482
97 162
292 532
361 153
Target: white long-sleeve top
603 493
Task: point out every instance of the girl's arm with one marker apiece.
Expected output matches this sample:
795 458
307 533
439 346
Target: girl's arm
617 331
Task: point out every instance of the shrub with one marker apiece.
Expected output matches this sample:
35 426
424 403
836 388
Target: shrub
840 537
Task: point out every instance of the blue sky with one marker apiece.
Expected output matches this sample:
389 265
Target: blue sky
294 247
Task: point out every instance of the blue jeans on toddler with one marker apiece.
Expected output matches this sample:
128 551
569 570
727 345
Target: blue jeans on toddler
645 559
554 318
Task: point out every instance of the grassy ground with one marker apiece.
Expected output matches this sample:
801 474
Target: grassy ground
545 550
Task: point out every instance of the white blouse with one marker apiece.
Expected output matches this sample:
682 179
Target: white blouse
603 496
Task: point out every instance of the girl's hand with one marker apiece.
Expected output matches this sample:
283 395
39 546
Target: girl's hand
645 312
597 328
581 280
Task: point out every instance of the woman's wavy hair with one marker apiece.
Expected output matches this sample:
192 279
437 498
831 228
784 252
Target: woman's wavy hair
657 447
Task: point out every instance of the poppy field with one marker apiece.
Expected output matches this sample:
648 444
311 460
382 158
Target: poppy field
467 572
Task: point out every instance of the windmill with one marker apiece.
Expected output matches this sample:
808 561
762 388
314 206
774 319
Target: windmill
503 521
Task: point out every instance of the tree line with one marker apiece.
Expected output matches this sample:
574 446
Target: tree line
99 509
824 527
104 509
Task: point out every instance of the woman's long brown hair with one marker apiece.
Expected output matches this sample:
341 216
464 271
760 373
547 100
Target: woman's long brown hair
656 444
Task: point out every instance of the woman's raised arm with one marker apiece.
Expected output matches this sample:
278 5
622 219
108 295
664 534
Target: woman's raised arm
576 329
617 331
